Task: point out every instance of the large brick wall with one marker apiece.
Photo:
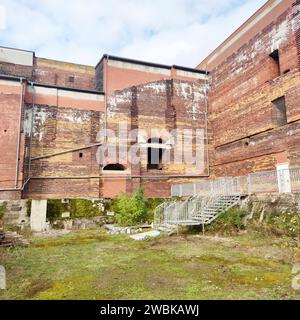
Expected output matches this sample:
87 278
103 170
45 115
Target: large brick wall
245 136
57 129
11 163
64 74
167 105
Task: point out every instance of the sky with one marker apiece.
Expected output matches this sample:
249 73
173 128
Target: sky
181 32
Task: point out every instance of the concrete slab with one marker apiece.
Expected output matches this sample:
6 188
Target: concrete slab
145 235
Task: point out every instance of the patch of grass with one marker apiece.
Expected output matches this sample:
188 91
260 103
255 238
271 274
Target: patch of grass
94 265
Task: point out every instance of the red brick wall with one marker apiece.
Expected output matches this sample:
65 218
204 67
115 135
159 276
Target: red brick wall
16 70
57 129
244 85
64 74
164 104
10 99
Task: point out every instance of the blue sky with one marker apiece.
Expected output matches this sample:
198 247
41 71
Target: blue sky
181 32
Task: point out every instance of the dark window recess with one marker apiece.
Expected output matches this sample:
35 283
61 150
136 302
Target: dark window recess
275 64
279 112
71 79
155 155
99 77
114 167
80 155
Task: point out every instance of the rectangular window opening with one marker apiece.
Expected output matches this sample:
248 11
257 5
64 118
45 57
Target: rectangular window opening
275 64
279 112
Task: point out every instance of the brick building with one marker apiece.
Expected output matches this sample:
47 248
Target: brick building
244 96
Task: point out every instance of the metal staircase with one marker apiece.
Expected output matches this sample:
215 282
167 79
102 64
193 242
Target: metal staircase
197 210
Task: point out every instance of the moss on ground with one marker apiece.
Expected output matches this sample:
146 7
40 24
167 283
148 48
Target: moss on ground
94 265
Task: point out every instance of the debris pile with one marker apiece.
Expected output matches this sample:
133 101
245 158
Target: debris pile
125 230
12 239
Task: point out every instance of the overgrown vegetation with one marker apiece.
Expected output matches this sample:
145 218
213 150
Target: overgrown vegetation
2 210
274 222
55 208
230 222
134 209
131 209
78 208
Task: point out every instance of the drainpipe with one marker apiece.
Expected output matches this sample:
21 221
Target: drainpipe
16 189
206 123
19 135
31 128
106 95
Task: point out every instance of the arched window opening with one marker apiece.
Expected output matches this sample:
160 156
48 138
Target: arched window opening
155 154
114 167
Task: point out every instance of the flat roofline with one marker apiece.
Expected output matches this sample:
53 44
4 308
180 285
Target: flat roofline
45 85
11 78
63 61
39 84
150 64
10 48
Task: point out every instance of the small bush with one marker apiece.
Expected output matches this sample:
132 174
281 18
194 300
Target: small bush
82 208
131 209
230 221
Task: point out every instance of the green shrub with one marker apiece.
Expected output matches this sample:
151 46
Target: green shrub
55 208
230 221
80 208
151 204
131 209
2 210
277 223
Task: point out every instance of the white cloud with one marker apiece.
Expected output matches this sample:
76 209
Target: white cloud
166 31
2 17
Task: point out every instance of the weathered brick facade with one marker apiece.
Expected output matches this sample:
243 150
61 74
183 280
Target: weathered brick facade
51 113
244 82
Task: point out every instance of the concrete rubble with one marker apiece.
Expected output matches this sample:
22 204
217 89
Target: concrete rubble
145 235
125 230
12 239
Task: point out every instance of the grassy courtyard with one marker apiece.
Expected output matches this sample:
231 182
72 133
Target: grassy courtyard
94 265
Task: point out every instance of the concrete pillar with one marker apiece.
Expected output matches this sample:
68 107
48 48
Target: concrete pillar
38 215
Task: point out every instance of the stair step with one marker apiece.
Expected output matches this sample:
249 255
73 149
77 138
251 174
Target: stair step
191 213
